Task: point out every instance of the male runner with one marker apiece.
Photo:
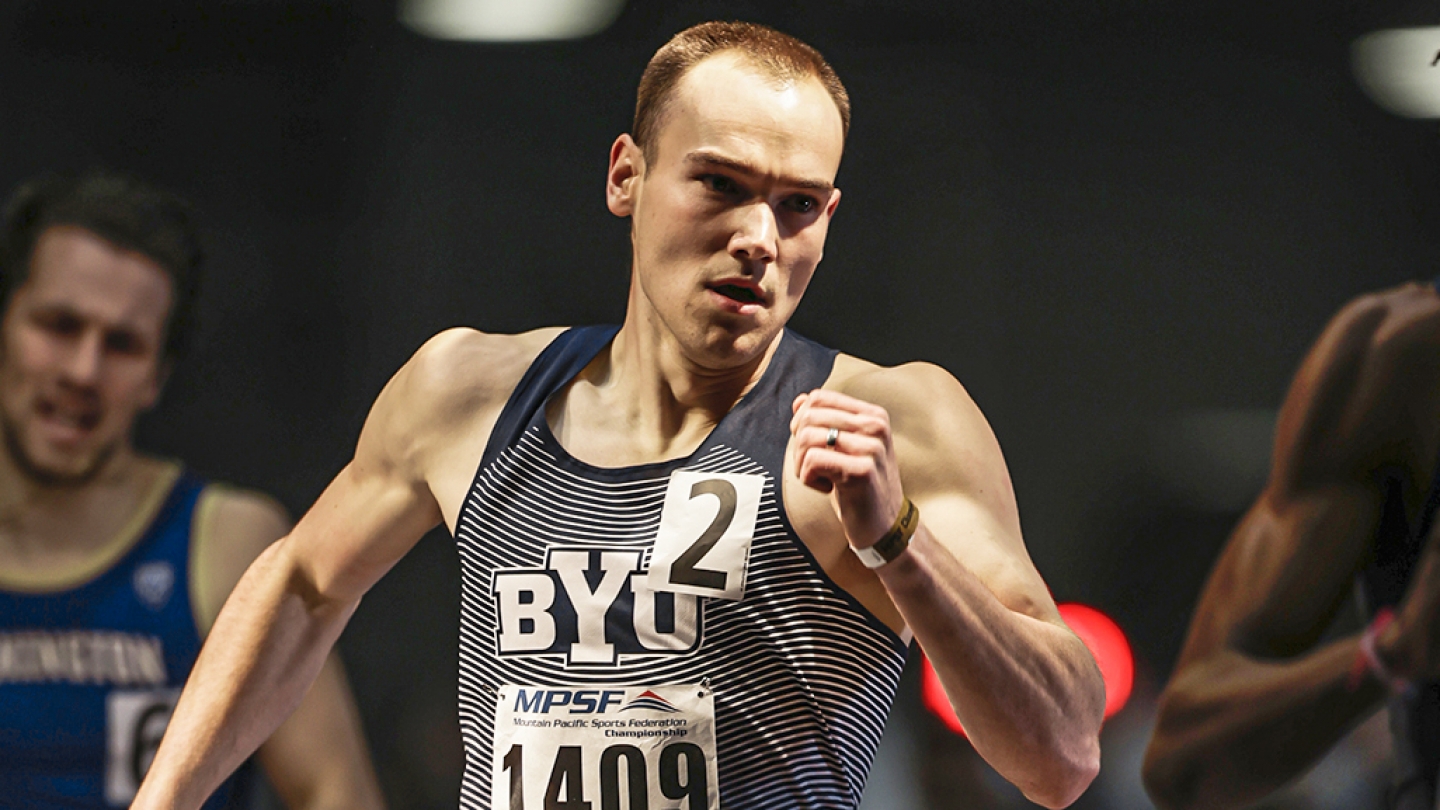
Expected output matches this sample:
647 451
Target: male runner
113 564
664 597
1258 695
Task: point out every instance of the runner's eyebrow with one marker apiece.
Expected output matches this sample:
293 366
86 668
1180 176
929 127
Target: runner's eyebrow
705 158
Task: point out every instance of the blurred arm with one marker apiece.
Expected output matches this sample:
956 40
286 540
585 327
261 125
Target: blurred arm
277 628
1253 701
318 758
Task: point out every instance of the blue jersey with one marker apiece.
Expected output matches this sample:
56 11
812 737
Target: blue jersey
90 673
658 635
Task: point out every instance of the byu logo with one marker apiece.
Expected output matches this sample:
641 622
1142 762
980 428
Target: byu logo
592 605
153 583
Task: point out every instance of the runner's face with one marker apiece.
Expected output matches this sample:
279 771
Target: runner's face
81 354
729 220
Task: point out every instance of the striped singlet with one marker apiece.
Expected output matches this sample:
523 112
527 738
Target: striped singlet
566 634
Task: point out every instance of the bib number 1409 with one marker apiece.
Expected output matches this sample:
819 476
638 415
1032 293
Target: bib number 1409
616 748
624 777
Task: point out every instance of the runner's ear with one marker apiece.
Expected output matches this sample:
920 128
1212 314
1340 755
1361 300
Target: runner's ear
627 169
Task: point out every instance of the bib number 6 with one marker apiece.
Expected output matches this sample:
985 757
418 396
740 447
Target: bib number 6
135 721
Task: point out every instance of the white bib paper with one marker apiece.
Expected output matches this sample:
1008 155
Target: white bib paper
630 748
135 720
703 543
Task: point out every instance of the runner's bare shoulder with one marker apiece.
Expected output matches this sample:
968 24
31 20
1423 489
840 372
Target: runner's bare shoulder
1372 373
460 377
1380 325
1412 322
1379 339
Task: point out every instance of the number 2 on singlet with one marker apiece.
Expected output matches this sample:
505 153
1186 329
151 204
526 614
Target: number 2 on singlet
703 544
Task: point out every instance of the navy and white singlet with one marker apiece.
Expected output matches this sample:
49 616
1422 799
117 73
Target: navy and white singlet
596 675
89 673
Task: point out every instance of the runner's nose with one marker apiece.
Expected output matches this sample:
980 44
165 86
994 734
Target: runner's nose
755 236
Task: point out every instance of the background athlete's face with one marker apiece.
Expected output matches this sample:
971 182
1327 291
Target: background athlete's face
729 219
82 342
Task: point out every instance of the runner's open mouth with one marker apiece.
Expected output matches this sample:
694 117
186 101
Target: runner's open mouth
79 419
744 295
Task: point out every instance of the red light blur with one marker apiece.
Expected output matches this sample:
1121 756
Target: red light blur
1105 640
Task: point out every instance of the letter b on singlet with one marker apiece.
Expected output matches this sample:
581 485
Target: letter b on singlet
523 602
591 605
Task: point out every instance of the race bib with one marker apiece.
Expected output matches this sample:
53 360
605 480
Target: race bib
706 525
632 748
135 720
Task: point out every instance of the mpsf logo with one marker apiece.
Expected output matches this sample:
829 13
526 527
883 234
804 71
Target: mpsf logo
576 701
650 700
593 606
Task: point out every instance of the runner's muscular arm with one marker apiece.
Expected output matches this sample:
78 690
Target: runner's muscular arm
317 759
1253 702
286 612
1025 687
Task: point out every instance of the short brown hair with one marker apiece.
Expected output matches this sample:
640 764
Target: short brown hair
778 55
121 209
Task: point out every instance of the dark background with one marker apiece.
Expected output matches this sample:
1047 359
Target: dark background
1118 223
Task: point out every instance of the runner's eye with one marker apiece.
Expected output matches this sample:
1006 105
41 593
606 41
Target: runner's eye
802 204
720 184
59 323
124 342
